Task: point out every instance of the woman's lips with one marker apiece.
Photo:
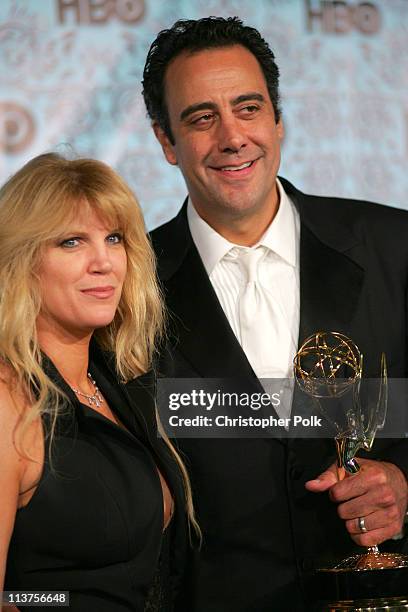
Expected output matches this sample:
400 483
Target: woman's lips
99 292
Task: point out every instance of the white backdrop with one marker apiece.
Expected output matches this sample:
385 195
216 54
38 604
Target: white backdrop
70 74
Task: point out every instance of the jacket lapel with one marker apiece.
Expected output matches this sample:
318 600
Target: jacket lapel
204 334
134 402
330 280
199 327
330 285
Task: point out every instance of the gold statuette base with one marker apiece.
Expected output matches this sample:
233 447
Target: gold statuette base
383 604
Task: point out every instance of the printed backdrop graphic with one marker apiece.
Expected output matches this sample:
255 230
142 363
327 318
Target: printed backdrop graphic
70 80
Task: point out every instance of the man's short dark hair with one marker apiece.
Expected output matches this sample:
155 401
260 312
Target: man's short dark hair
196 35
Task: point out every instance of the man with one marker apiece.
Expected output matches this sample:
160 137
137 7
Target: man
211 90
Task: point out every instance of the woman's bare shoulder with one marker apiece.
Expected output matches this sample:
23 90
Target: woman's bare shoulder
13 400
21 440
14 407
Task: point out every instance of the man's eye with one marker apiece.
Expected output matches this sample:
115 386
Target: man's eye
249 109
115 238
69 243
203 119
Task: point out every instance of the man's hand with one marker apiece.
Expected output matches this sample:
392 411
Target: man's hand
378 493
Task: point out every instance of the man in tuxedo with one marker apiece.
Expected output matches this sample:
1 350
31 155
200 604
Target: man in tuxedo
270 509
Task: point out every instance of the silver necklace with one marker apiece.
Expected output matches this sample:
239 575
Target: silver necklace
96 398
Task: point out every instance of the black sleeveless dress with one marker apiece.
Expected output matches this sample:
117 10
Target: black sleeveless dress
94 526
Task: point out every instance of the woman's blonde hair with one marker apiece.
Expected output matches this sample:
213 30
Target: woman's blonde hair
36 204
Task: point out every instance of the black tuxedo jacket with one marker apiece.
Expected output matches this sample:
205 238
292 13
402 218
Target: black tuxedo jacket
263 531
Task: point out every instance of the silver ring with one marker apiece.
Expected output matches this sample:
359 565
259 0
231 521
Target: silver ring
361 524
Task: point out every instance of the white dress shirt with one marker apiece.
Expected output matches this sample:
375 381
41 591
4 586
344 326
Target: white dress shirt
278 272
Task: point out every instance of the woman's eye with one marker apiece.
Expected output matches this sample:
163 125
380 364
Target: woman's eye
69 243
115 238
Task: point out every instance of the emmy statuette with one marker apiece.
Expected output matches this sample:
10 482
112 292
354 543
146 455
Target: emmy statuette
328 366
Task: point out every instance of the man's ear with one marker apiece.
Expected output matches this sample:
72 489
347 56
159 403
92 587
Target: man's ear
168 148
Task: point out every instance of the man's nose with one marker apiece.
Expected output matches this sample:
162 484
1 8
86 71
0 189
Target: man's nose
231 135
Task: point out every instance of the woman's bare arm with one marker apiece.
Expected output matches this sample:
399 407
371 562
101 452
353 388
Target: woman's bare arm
11 470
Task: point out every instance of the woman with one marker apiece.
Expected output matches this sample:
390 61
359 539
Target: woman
88 488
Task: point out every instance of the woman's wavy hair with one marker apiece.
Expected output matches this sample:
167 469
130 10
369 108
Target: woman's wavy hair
36 205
